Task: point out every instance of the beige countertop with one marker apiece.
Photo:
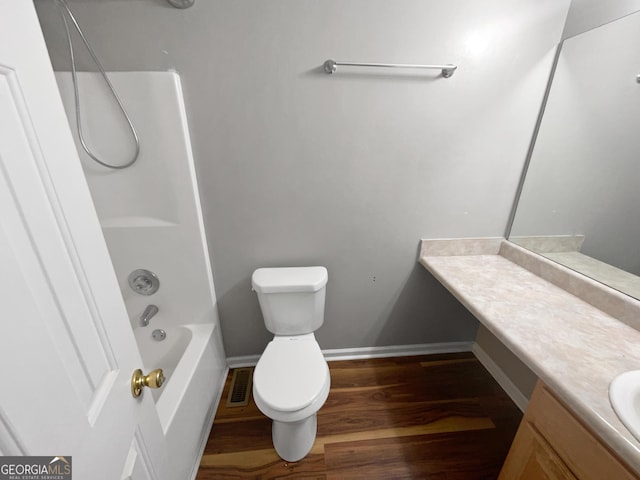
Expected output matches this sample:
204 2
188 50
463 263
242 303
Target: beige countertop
573 347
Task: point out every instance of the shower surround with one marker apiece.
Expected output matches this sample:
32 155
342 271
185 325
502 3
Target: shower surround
151 218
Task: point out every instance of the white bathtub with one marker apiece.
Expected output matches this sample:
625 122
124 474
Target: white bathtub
166 354
191 359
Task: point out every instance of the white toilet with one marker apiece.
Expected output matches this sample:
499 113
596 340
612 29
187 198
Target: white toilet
291 381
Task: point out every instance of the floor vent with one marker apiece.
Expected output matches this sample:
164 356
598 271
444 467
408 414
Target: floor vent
240 387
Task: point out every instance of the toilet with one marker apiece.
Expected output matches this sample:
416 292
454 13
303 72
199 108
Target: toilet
291 380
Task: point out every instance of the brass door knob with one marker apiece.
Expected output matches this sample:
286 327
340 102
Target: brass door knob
155 379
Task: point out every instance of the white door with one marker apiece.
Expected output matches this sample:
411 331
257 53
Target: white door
67 352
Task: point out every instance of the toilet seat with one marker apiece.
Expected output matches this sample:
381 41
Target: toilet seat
291 373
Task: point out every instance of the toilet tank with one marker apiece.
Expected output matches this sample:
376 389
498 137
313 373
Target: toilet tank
291 298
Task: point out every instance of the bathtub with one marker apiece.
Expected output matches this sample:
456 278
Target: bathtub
166 354
191 359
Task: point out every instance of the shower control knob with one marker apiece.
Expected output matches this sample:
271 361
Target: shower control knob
154 379
144 282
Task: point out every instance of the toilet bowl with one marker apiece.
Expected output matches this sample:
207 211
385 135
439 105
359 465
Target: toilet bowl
291 381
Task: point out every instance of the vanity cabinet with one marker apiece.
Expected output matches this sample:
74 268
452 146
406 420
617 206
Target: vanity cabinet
551 443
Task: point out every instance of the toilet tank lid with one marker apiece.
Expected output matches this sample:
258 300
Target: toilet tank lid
289 279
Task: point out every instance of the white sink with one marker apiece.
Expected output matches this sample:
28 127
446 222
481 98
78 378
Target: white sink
624 395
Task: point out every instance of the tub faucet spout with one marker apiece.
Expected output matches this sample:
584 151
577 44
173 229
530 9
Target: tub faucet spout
148 313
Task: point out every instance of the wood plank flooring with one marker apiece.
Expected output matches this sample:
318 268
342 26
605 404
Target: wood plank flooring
439 417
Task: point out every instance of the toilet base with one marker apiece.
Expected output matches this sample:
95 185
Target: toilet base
294 440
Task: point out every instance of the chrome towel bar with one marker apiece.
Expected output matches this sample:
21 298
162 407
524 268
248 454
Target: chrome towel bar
330 66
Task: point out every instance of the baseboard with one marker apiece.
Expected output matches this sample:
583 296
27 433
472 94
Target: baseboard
503 380
242 361
395 351
369 352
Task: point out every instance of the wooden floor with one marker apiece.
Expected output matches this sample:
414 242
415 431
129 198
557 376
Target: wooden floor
431 417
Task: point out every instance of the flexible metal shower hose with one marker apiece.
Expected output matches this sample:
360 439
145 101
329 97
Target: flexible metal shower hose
64 8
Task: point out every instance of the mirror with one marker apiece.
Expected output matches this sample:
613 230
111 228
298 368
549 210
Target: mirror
580 200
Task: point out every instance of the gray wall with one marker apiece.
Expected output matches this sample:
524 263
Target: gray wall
514 369
348 171
584 15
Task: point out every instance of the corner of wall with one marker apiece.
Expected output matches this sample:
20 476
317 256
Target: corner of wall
506 368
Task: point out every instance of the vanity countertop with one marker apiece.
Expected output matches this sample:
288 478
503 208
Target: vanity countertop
573 347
